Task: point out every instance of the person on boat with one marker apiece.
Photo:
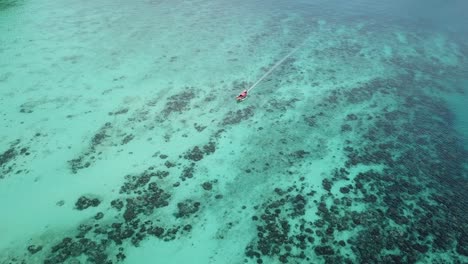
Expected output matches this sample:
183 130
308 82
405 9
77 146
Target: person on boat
242 95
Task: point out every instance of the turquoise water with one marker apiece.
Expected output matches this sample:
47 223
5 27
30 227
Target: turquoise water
122 142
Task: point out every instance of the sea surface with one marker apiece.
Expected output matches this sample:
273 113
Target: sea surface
121 140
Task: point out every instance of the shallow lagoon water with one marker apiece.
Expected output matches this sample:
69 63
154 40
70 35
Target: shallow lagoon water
121 141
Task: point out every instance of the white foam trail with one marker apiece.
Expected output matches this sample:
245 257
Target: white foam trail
273 68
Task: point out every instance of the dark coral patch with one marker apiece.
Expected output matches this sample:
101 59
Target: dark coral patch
142 196
33 249
6 157
327 184
119 112
187 208
10 155
188 172
179 103
127 139
100 136
88 157
236 117
324 250
344 190
84 202
207 186
209 148
199 127
195 154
